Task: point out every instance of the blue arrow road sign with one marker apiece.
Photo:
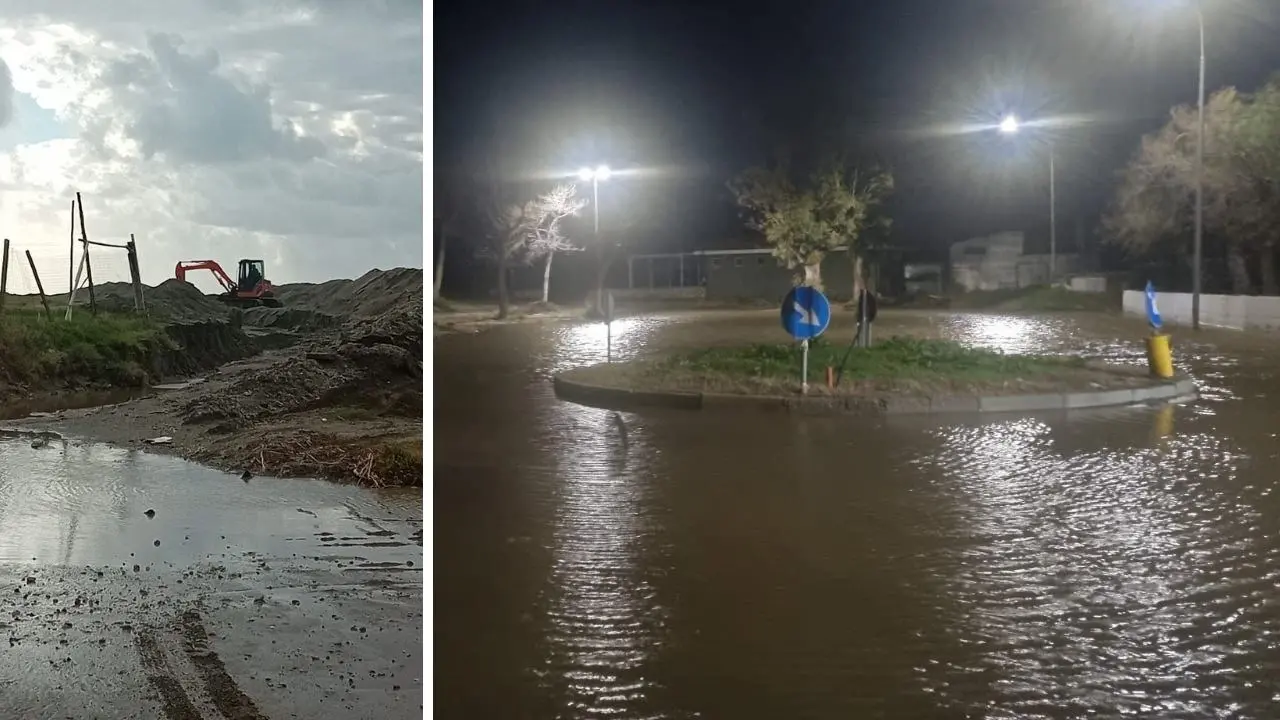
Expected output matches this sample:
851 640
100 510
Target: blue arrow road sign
805 312
1153 312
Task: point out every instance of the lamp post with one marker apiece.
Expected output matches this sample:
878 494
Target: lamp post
597 175
1198 241
1009 126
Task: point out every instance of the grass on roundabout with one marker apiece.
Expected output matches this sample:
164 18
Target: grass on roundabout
895 359
895 366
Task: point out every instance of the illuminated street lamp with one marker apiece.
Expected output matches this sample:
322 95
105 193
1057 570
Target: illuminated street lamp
596 176
1010 126
1198 242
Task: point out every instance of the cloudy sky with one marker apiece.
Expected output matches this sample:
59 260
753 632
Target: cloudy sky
287 130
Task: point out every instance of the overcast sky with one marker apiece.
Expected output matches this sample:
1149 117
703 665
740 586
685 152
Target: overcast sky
287 130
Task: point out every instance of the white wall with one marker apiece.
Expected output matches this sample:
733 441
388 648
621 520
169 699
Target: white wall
1089 284
1237 312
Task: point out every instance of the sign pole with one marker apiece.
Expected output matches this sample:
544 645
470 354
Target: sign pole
804 367
607 302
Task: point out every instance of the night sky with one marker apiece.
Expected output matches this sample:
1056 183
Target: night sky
687 93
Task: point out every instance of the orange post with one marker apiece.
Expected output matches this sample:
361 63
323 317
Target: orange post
831 378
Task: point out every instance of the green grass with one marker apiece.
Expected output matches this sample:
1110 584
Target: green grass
114 349
896 359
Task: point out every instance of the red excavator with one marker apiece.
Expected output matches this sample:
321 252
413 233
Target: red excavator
251 289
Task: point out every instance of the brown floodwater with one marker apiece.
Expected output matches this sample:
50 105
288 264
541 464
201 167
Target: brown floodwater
680 564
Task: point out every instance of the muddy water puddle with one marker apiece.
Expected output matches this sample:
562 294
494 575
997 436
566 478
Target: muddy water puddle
135 585
84 504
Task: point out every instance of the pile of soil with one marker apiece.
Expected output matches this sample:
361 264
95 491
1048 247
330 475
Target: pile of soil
374 293
376 364
173 300
318 310
297 319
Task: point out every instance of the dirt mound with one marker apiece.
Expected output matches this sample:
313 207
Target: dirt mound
299 319
172 300
374 293
201 346
374 364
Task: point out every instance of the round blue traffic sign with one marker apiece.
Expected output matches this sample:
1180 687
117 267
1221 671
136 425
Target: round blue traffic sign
805 312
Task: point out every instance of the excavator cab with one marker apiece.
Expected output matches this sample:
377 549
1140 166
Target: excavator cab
251 273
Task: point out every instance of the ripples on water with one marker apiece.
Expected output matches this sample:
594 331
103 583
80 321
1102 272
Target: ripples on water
1118 562
75 504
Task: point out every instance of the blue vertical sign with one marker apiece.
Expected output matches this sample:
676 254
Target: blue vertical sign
1153 312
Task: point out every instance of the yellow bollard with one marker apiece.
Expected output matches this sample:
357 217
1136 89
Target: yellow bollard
1159 356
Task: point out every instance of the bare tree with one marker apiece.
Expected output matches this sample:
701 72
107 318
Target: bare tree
524 231
447 215
548 229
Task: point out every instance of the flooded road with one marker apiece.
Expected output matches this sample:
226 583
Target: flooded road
143 586
687 565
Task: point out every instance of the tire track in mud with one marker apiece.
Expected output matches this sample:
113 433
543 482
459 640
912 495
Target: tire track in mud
190 675
175 702
223 690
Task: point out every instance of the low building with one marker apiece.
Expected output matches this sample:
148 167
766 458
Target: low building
754 273
996 262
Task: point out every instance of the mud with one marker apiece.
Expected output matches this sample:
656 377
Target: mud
225 601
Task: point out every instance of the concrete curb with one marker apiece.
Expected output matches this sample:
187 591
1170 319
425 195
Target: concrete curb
615 398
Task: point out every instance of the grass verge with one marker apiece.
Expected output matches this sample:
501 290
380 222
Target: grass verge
891 360
109 349
900 366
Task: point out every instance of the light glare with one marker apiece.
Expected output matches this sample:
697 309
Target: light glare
1009 124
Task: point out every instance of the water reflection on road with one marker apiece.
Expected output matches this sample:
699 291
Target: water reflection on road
676 564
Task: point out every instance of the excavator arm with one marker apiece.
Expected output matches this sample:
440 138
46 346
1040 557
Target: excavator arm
180 272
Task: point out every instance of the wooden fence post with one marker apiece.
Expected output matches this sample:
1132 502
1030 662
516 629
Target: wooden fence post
88 269
71 259
48 314
4 273
135 275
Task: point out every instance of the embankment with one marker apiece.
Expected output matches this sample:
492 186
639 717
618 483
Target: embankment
340 397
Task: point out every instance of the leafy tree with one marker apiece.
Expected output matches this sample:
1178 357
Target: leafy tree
802 223
1153 210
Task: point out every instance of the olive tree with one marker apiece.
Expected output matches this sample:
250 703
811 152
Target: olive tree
804 222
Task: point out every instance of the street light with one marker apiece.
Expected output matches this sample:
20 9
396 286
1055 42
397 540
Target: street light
1009 126
1198 242
596 176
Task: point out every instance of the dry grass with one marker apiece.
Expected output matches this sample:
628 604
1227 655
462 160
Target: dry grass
379 462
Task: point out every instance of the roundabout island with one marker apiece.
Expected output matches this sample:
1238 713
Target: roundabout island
896 376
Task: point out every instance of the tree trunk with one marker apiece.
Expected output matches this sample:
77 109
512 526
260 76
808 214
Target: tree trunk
1267 259
504 303
813 274
440 264
1238 271
546 278
857 275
